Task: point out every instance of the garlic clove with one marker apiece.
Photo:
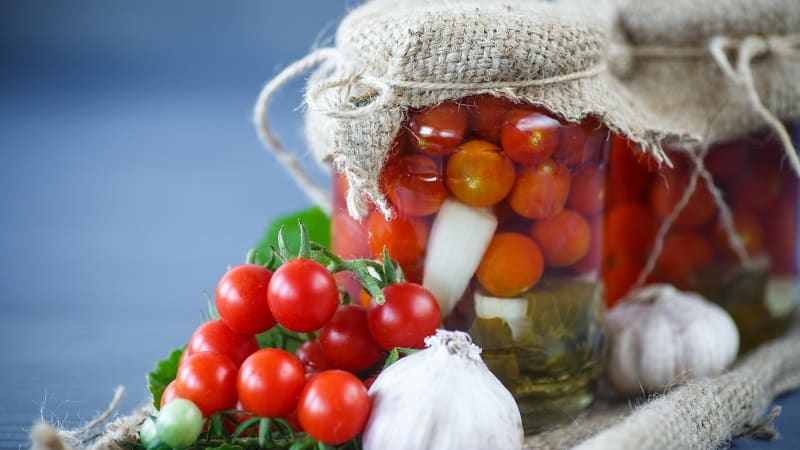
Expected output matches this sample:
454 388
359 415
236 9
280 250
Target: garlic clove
623 365
658 356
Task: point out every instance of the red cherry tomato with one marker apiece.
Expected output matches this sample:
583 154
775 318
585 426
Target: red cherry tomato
619 274
414 185
683 254
564 239
479 175
334 407
409 315
303 295
241 299
581 143
169 394
541 191
528 136
749 230
487 114
727 160
591 262
215 336
438 130
666 192
587 193
404 238
208 379
759 188
346 341
312 357
270 382
630 231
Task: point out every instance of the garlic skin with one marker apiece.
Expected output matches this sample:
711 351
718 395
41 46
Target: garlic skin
442 397
660 336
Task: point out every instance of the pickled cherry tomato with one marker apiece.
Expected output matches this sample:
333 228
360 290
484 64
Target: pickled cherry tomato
630 231
479 175
587 193
540 191
580 143
404 237
758 188
414 185
511 265
780 224
619 274
351 237
666 192
528 136
749 230
487 114
683 254
564 239
724 161
591 262
438 130
627 180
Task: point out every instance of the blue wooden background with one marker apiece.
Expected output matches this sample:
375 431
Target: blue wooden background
130 178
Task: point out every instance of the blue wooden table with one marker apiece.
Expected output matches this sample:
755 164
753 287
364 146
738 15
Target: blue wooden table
130 178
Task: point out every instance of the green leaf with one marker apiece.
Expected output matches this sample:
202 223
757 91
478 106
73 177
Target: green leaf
165 372
281 338
316 222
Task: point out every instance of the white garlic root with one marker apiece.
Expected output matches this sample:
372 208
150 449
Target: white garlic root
661 336
442 397
514 311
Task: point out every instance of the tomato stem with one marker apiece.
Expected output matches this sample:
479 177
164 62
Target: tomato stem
251 256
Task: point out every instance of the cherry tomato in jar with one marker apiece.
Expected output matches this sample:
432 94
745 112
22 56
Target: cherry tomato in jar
208 379
269 382
683 254
404 238
627 180
241 299
351 236
581 143
619 275
512 264
215 336
486 115
346 341
725 161
528 136
747 227
540 191
630 231
564 239
587 192
409 314
169 394
758 189
303 295
666 193
593 259
312 357
414 185
438 130
479 175
334 407
780 225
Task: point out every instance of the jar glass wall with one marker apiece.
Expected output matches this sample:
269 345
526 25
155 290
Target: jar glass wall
498 212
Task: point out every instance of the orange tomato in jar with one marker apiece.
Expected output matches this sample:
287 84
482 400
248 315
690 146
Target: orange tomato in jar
540 191
587 193
438 130
666 192
683 253
528 136
486 115
511 265
479 175
591 262
414 185
564 239
403 237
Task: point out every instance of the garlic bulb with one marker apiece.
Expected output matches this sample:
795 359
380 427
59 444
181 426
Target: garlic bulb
442 397
661 336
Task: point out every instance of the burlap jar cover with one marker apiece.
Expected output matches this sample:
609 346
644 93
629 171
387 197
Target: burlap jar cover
392 56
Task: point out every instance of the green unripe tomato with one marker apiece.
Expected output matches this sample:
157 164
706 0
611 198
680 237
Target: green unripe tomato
147 434
179 423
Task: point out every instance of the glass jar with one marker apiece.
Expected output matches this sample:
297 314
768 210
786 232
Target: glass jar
757 285
499 210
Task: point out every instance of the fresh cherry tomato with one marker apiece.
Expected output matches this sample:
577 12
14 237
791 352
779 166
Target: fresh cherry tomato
404 238
587 193
683 254
438 130
630 231
487 114
564 239
241 299
334 407
346 341
512 264
749 230
479 175
312 357
303 295
409 314
581 143
666 192
541 191
215 336
414 185
270 382
208 379
528 136
169 394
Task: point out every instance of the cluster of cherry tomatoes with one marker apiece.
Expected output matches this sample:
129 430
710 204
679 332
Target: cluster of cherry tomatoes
321 388
544 180
748 174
